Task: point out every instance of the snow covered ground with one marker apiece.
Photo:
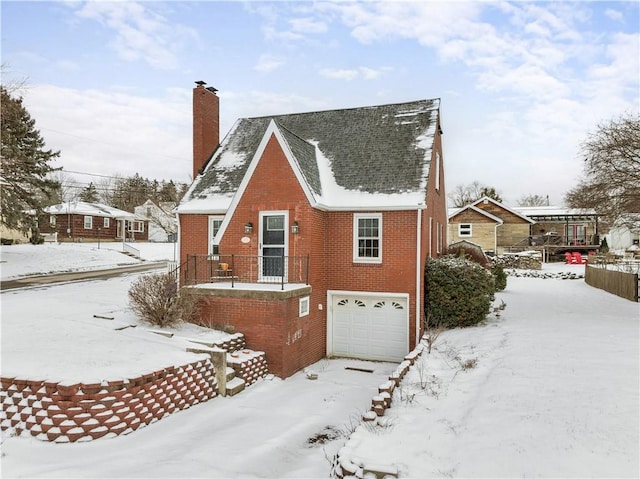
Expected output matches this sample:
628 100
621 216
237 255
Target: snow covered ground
548 389
26 259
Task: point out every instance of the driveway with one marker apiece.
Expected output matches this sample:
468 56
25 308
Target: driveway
38 280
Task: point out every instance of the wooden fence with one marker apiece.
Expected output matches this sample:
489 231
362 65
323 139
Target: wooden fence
619 283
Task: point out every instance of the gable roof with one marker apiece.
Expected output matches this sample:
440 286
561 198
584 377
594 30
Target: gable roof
365 157
506 208
88 209
452 214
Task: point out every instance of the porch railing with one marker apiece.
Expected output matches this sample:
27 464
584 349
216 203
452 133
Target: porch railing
200 269
560 240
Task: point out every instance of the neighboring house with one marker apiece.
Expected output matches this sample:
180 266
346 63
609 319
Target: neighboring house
500 229
163 224
491 225
560 227
12 235
339 209
78 220
624 235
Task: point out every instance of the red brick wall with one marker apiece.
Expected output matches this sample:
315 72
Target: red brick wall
206 126
194 231
272 326
396 273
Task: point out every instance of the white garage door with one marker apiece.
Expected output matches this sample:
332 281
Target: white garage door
370 327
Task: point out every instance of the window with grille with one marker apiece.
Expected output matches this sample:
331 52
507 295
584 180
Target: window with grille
367 238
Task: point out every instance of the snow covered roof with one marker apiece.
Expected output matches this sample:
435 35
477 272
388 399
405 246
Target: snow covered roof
376 156
89 209
533 211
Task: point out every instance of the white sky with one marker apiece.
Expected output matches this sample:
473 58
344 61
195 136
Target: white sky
521 83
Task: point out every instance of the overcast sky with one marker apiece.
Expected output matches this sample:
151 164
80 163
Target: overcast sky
521 83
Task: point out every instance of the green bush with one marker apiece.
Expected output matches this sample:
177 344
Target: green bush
158 301
458 291
500 277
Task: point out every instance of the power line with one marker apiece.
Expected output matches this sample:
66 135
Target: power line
113 145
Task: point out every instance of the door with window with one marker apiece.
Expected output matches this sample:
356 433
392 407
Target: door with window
273 245
576 234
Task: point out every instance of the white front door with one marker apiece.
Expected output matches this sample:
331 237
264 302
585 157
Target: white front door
273 245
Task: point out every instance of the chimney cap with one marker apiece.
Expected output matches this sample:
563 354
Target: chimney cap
201 83
211 89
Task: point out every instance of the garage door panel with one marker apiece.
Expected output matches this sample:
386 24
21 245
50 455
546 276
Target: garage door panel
370 327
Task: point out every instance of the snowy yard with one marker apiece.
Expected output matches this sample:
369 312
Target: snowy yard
549 389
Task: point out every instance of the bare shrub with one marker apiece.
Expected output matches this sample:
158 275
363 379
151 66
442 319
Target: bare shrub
432 329
157 299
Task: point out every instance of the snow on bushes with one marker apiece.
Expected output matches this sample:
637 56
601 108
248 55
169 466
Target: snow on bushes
459 291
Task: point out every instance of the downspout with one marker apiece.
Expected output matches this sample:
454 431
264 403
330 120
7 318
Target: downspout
178 261
418 273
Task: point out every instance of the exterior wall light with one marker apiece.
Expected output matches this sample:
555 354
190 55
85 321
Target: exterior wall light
295 228
248 228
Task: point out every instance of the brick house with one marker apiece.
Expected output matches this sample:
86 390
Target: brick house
79 220
309 232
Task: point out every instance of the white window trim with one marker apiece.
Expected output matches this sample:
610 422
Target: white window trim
88 220
210 231
105 223
52 220
304 305
465 230
356 257
437 171
137 226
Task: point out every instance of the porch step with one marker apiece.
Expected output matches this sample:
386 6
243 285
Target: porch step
235 386
231 374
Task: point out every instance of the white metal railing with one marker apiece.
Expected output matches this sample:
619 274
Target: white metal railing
127 248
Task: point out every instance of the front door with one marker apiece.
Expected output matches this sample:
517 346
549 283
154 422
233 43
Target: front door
576 234
273 245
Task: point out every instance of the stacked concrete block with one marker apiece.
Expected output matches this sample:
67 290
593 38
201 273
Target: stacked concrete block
248 365
64 412
235 342
345 465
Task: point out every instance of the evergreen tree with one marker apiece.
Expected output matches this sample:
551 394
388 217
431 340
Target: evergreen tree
89 194
24 165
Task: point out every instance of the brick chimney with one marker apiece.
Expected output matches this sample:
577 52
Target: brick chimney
206 124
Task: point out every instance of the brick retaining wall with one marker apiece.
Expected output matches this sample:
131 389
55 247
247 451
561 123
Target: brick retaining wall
62 412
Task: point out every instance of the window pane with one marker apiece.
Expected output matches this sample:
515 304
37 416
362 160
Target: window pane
275 223
368 248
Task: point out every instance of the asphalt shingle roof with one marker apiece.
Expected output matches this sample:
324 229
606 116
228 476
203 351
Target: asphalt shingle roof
382 149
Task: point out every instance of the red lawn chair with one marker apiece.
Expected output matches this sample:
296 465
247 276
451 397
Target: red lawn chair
578 258
568 258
